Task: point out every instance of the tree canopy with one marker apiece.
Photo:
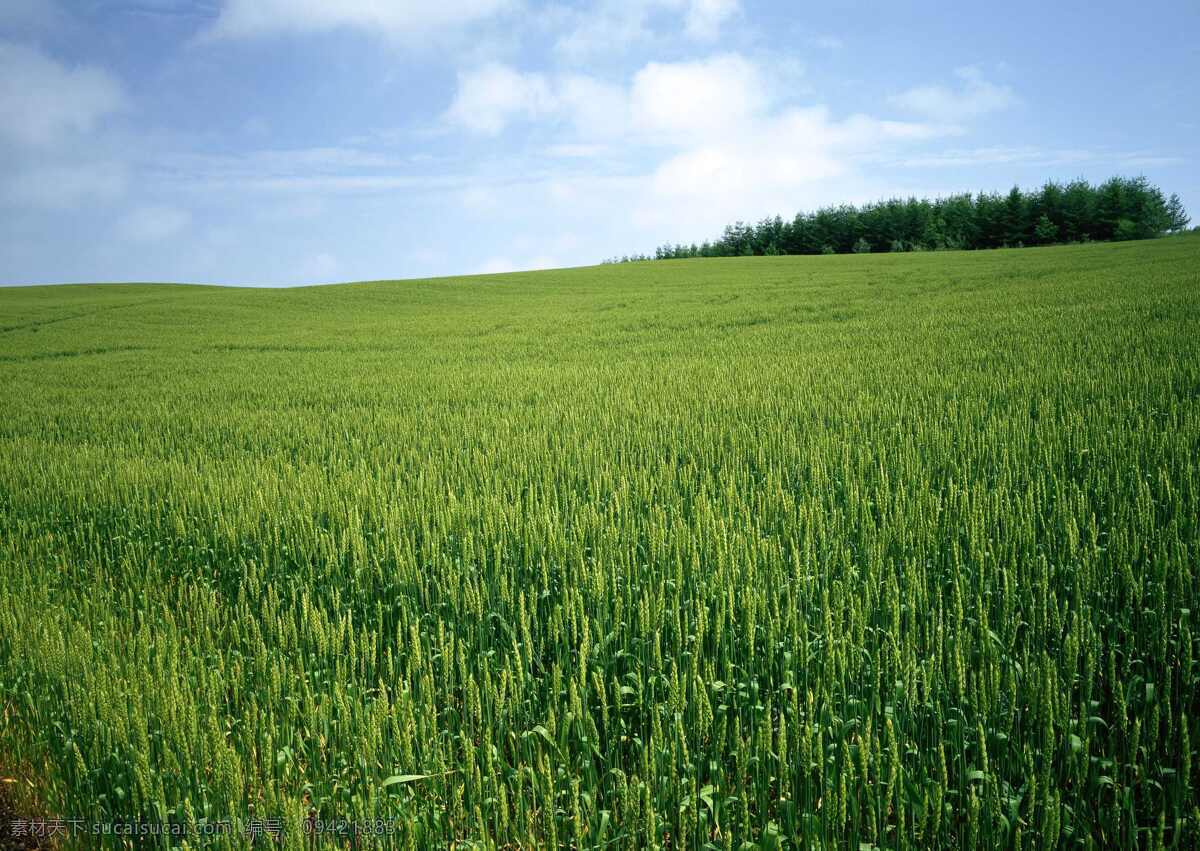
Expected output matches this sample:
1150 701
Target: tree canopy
1119 208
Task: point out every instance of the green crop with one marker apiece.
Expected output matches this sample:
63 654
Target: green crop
880 551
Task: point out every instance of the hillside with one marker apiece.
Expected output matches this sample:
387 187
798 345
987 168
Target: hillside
888 549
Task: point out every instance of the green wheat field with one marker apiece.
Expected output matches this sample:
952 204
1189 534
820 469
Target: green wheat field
879 551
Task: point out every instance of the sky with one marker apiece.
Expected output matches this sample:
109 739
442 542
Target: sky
284 142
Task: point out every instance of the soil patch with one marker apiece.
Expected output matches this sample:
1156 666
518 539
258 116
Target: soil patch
20 830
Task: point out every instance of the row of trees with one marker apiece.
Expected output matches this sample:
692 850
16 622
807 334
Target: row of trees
1118 209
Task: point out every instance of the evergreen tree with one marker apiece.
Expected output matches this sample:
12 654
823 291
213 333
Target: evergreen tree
1016 224
1119 208
993 226
1046 231
1177 217
1110 208
934 235
1049 203
1079 212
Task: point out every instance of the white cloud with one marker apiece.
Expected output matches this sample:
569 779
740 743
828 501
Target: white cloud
750 157
608 27
614 26
704 18
490 97
975 96
54 156
493 96
595 109
666 102
397 18
42 100
151 224
774 162
704 142
722 140
684 100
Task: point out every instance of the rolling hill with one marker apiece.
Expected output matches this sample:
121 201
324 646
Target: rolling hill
897 550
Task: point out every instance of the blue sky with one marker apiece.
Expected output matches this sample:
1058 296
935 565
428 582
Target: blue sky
275 142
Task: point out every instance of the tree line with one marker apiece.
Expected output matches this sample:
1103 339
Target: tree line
1120 208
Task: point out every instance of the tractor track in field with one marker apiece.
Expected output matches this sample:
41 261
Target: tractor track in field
35 324
101 350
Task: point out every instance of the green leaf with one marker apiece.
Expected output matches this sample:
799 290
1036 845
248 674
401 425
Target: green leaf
544 733
401 779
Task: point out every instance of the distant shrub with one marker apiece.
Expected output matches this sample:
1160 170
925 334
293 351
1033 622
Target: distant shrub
1125 229
827 249
862 246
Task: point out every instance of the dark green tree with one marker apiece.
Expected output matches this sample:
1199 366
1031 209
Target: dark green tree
1045 232
1119 208
1017 230
1110 208
1078 212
